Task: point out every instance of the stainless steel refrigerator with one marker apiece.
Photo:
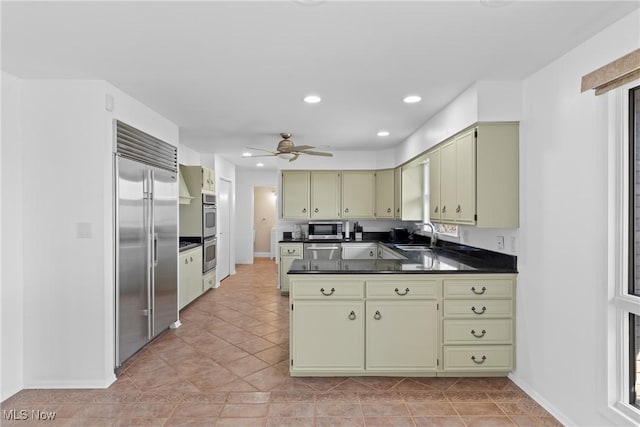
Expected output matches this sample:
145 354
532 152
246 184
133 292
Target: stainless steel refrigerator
146 237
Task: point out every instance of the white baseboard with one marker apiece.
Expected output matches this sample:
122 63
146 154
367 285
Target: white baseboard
550 408
262 255
72 384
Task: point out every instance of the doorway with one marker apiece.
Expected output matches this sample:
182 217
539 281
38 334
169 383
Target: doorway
264 221
224 229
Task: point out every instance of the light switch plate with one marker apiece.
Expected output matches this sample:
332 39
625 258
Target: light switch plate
500 242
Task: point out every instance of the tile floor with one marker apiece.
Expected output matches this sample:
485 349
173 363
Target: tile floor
228 366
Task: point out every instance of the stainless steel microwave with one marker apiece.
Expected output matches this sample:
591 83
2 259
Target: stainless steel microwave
325 230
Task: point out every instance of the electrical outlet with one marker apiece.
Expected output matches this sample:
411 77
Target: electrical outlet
500 242
512 244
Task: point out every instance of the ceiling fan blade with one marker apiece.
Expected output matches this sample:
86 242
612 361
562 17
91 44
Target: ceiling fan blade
295 156
262 149
260 155
303 147
317 153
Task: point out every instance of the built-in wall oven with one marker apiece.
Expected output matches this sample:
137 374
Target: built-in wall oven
208 216
209 256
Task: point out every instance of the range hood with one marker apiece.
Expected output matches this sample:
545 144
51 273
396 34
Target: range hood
184 195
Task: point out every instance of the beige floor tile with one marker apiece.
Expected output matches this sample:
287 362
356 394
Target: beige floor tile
228 366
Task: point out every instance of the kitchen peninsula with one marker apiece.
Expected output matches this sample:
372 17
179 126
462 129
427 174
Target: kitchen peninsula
446 311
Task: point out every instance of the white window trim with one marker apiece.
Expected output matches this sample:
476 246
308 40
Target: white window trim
620 304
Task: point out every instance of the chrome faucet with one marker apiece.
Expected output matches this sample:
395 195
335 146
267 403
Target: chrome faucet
434 234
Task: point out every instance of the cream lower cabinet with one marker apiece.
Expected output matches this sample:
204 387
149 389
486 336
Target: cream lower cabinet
329 336
289 252
402 325
432 325
478 325
189 276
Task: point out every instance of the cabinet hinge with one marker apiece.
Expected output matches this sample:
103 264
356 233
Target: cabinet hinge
437 306
437 362
475 133
291 362
475 217
291 307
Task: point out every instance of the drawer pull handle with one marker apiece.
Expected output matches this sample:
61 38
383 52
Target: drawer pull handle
482 291
291 251
480 362
304 210
316 210
458 209
377 316
473 332
329 294
388 210
346 210
352 315
406 291
481 312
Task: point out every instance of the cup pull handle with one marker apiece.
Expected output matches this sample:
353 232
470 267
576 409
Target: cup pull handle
473 332
329 294
406 291
481 312
482 291
480 362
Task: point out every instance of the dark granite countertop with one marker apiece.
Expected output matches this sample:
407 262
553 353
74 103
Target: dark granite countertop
449 258
187 243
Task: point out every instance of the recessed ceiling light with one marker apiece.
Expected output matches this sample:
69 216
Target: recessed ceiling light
312 99
246 154
259 165
412 99
383 133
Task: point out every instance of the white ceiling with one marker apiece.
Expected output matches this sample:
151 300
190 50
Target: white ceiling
233 74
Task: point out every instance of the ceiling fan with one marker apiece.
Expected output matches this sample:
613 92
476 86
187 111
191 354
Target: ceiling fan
287 150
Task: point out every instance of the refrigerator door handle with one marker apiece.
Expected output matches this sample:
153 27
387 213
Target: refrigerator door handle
155 249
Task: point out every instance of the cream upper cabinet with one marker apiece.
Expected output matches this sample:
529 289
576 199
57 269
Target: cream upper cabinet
385 193
208 180
412 183
295 194
465 208
479 177
458 179
448 181
358 194
325 194
434 185
497 173
397 192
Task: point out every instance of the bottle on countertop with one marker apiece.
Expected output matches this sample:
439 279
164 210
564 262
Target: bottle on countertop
346 230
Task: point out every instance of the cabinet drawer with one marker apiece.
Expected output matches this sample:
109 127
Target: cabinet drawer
209 280
494 288
339 289
291 250
478 358
478 309
403 289
478 331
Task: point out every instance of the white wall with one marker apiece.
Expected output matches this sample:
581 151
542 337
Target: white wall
482 101
67 171
246 180
11 292
562 285
188 156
